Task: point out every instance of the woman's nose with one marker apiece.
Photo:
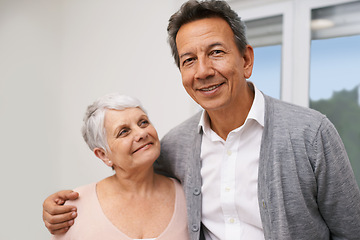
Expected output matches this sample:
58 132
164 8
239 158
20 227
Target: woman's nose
140 134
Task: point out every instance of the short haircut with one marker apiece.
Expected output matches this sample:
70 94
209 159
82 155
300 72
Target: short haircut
195 10
93 129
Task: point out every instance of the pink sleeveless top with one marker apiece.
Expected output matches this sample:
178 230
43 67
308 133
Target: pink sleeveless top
92 224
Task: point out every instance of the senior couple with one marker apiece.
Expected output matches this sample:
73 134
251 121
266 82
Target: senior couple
250 166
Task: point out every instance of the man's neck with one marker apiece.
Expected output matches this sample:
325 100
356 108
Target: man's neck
224 121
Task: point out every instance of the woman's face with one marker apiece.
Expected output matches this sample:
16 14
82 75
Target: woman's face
132 139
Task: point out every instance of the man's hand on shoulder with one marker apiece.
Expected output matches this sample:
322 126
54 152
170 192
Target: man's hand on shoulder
58 218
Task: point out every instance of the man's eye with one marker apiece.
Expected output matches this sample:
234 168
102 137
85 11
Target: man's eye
217 52
188 61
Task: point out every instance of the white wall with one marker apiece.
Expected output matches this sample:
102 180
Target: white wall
29 99
56 57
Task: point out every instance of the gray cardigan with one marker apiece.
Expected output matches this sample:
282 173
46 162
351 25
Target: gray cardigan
306 187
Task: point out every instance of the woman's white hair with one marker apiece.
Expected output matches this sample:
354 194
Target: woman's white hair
93 129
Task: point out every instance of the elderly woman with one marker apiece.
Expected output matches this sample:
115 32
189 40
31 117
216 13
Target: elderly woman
134 203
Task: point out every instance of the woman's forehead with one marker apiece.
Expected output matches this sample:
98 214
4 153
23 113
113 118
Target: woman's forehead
124 114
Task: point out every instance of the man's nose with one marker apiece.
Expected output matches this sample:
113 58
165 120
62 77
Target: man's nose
204 69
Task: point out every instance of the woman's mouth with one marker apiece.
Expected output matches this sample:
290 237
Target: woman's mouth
145 146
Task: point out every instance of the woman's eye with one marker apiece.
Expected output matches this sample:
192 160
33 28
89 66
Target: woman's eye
144 123
123 132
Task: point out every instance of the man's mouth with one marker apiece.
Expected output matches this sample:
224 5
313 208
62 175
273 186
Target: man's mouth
211 88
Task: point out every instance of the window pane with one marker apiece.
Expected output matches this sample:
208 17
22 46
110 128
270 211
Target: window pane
267 70
334 74
265 35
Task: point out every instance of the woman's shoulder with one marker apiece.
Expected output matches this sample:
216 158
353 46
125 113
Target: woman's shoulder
85 192
89 212
86 188
177 228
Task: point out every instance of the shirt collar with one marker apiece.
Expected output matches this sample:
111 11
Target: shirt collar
257 111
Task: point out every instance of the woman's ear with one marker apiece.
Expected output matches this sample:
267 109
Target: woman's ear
101 153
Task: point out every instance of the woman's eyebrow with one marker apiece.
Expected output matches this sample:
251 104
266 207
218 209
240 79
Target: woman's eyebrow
118 128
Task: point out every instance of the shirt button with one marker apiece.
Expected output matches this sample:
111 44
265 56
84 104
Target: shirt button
194 228
229 152
196 191
231 220
227 189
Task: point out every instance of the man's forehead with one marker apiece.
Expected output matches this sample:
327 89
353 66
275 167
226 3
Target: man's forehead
204 33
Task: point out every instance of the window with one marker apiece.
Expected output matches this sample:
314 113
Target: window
335 73
265 35
318 44
268 79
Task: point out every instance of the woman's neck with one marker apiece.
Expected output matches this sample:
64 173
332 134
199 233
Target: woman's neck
130 185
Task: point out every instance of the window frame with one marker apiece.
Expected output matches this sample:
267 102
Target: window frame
296 40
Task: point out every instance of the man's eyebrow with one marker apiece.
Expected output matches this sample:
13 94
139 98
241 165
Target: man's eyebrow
216 45
184 54
209 47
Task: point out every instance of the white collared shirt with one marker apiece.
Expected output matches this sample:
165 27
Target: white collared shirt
230 176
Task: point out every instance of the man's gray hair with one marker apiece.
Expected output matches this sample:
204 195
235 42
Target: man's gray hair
195 10
93 130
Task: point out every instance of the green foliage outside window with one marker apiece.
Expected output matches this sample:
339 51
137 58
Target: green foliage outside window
343 110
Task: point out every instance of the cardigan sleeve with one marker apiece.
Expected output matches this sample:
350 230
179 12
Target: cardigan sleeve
338 193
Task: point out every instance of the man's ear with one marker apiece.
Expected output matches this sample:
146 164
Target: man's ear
101 153
248 61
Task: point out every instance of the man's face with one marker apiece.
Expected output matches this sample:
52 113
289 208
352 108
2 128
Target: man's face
213 70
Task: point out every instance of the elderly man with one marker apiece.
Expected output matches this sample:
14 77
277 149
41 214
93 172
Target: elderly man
252 167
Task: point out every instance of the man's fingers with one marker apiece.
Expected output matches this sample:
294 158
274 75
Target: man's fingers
55 228
58 224
67 195
54 203
62 196
54 209
59 218
59 228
